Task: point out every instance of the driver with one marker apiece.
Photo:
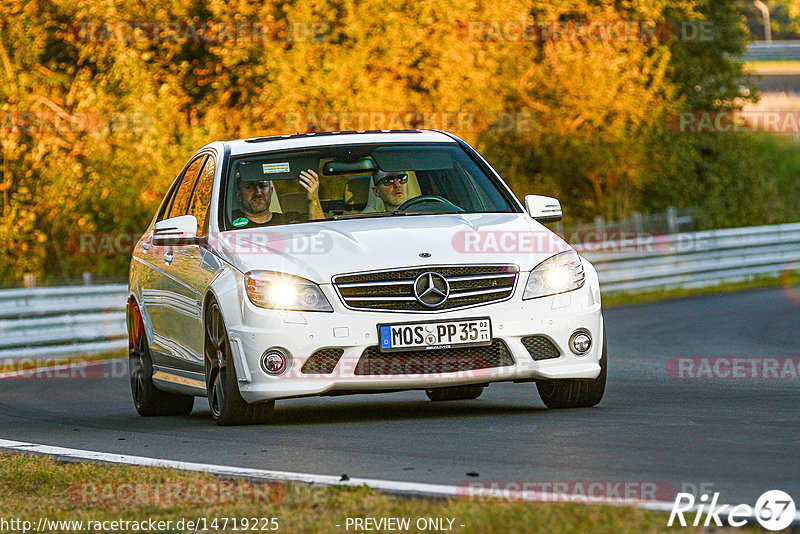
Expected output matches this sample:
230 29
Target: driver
390 187
256 197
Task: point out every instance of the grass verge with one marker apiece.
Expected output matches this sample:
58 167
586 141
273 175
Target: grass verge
790 283
47 365
32 487
772 67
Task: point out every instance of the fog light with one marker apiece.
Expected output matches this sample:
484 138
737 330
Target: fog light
274 362
580 342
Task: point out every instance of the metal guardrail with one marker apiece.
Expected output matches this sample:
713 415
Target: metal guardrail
47 322
773 51
697 259
56 321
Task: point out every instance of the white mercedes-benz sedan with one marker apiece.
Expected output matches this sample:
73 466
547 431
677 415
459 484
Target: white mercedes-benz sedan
355 262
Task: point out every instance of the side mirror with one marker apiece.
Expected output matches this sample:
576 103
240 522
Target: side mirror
176 231
543 209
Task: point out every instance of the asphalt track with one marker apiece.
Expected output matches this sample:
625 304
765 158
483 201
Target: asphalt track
736 436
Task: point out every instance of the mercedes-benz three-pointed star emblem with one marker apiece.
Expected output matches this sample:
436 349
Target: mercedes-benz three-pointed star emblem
431 289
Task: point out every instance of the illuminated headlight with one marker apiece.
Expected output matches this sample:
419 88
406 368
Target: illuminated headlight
558 274
269 289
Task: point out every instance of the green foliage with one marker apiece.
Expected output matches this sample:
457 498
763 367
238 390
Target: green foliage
733 179
117 113
707 73
603 108
784 19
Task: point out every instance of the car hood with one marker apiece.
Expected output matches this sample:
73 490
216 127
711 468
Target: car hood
319 251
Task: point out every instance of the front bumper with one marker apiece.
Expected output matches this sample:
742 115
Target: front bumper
300 334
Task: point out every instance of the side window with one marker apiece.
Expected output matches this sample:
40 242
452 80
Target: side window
164 209
180 202
201 198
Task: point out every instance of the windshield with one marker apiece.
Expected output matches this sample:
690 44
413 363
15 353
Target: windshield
356 181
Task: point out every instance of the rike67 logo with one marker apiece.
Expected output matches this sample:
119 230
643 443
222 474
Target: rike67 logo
774 510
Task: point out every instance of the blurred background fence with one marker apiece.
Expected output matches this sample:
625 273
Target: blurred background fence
641 262
90 318
773 51
59 321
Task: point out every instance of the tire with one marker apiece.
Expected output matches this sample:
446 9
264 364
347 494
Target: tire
147 398
228 408
574 392
455 393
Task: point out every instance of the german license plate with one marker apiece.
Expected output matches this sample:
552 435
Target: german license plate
432 335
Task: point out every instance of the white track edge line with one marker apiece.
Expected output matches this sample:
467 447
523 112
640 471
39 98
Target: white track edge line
328 480
439 490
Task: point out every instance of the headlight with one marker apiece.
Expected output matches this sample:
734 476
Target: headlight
558 274
269 289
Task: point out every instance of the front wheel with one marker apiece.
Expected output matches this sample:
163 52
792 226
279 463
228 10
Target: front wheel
228 408
575 392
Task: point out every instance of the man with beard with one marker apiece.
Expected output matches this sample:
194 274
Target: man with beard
390 187
256 197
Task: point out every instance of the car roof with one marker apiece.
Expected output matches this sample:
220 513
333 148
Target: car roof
318 139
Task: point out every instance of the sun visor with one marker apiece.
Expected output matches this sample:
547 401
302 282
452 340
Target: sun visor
276 168
392 159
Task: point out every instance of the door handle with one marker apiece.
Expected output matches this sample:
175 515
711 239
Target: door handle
168 257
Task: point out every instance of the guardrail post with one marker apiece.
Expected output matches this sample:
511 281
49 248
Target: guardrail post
600 226
672 220
87 279
765 14
638 227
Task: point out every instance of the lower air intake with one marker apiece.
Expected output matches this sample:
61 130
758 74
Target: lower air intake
322 362
416 362
540 348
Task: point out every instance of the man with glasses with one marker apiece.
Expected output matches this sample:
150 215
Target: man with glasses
256 197
390 187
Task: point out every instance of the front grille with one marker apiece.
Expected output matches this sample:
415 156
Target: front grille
416 362
322 362
393 290
540 348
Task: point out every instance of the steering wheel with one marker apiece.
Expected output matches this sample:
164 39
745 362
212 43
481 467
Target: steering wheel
425 199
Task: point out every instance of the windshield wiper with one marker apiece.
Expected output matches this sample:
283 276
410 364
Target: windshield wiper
361 215
421 212
390 214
